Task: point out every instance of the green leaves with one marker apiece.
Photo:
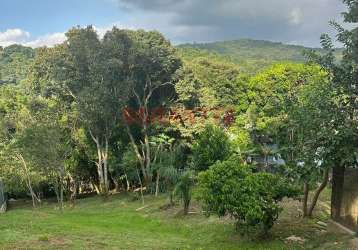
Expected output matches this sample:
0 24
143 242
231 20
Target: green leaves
15 61
251 198
212 145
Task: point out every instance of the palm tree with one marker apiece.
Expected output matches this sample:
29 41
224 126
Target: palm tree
183 189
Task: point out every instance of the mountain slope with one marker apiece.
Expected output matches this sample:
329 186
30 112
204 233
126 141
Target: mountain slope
252 55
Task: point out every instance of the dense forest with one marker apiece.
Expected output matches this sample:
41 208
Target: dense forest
253 55
237 125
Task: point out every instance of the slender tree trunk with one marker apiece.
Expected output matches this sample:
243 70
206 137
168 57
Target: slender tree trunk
147 154
337 191
186 206
100 169
305 199
73 190
141 187
116 185
62 179
171 198
105 168
57 189
34 197
61 194
96 188
80 188
147 158
157 184
140 157
318 192
28 182
100 163
127 182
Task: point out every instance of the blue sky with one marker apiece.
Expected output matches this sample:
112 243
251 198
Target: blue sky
40 17
43 22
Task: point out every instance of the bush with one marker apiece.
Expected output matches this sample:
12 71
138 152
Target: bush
211 146
229 188
183 189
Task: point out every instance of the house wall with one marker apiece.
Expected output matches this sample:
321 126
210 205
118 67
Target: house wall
349 205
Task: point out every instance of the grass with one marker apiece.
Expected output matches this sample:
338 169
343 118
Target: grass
118 224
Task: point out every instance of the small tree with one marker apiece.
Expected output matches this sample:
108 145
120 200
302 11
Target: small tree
183 189
44 147
211 146
250 198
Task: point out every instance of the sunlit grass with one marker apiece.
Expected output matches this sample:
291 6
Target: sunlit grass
117 223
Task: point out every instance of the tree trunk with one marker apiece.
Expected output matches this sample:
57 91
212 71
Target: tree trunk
127 182
105 168
100 163
61 194
34 197
96 188
140 157
186 206
116 185
337 191
28 182
157 184
305 199
61 176
80 188
141 187
147 160
171 198
318 191
57 189
147 154
73 190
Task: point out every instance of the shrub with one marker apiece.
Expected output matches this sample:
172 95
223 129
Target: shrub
229 188
211 146
183 189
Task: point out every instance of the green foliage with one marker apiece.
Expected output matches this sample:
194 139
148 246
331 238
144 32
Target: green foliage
252 55
183 188
210 81
291 106
211 145
343 76
15 61
129 165
250 198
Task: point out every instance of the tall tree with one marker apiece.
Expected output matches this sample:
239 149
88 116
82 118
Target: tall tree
344 76
152 69
89 73
295 109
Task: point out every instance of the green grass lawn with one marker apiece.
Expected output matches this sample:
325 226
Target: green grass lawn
118 224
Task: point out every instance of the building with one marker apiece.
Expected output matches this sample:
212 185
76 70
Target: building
267 159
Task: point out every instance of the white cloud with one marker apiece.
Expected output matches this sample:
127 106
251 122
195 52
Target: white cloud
18 36
47 40
12 36
296 16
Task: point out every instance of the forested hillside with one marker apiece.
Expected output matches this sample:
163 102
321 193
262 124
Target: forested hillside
235 127
251 55
245 55
14 63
